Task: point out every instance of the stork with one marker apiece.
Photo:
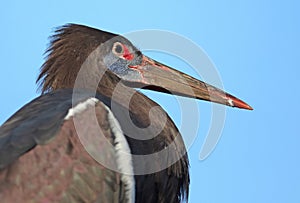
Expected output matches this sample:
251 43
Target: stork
83 138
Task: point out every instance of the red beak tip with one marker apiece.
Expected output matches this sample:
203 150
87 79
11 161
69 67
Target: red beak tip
250 108
234 102
246 106
242 105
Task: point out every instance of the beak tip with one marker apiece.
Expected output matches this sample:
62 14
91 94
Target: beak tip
235 102
250 108
242 105
246 106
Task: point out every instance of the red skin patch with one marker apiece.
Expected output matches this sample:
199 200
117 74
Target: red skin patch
127 55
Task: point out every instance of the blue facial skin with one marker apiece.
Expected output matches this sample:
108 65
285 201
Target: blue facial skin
120 66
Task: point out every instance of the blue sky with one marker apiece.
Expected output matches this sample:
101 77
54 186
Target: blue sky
255 48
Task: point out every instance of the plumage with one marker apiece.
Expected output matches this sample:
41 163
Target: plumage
67 144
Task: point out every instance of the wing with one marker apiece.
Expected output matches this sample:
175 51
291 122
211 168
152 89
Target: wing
42 158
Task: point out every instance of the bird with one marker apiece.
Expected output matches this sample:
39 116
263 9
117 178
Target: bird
92 136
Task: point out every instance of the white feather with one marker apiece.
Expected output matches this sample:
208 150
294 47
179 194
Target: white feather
124 157
80 107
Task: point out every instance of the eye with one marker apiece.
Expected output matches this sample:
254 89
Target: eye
118 49
122 51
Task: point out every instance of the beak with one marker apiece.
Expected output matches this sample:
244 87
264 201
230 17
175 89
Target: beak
159 77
